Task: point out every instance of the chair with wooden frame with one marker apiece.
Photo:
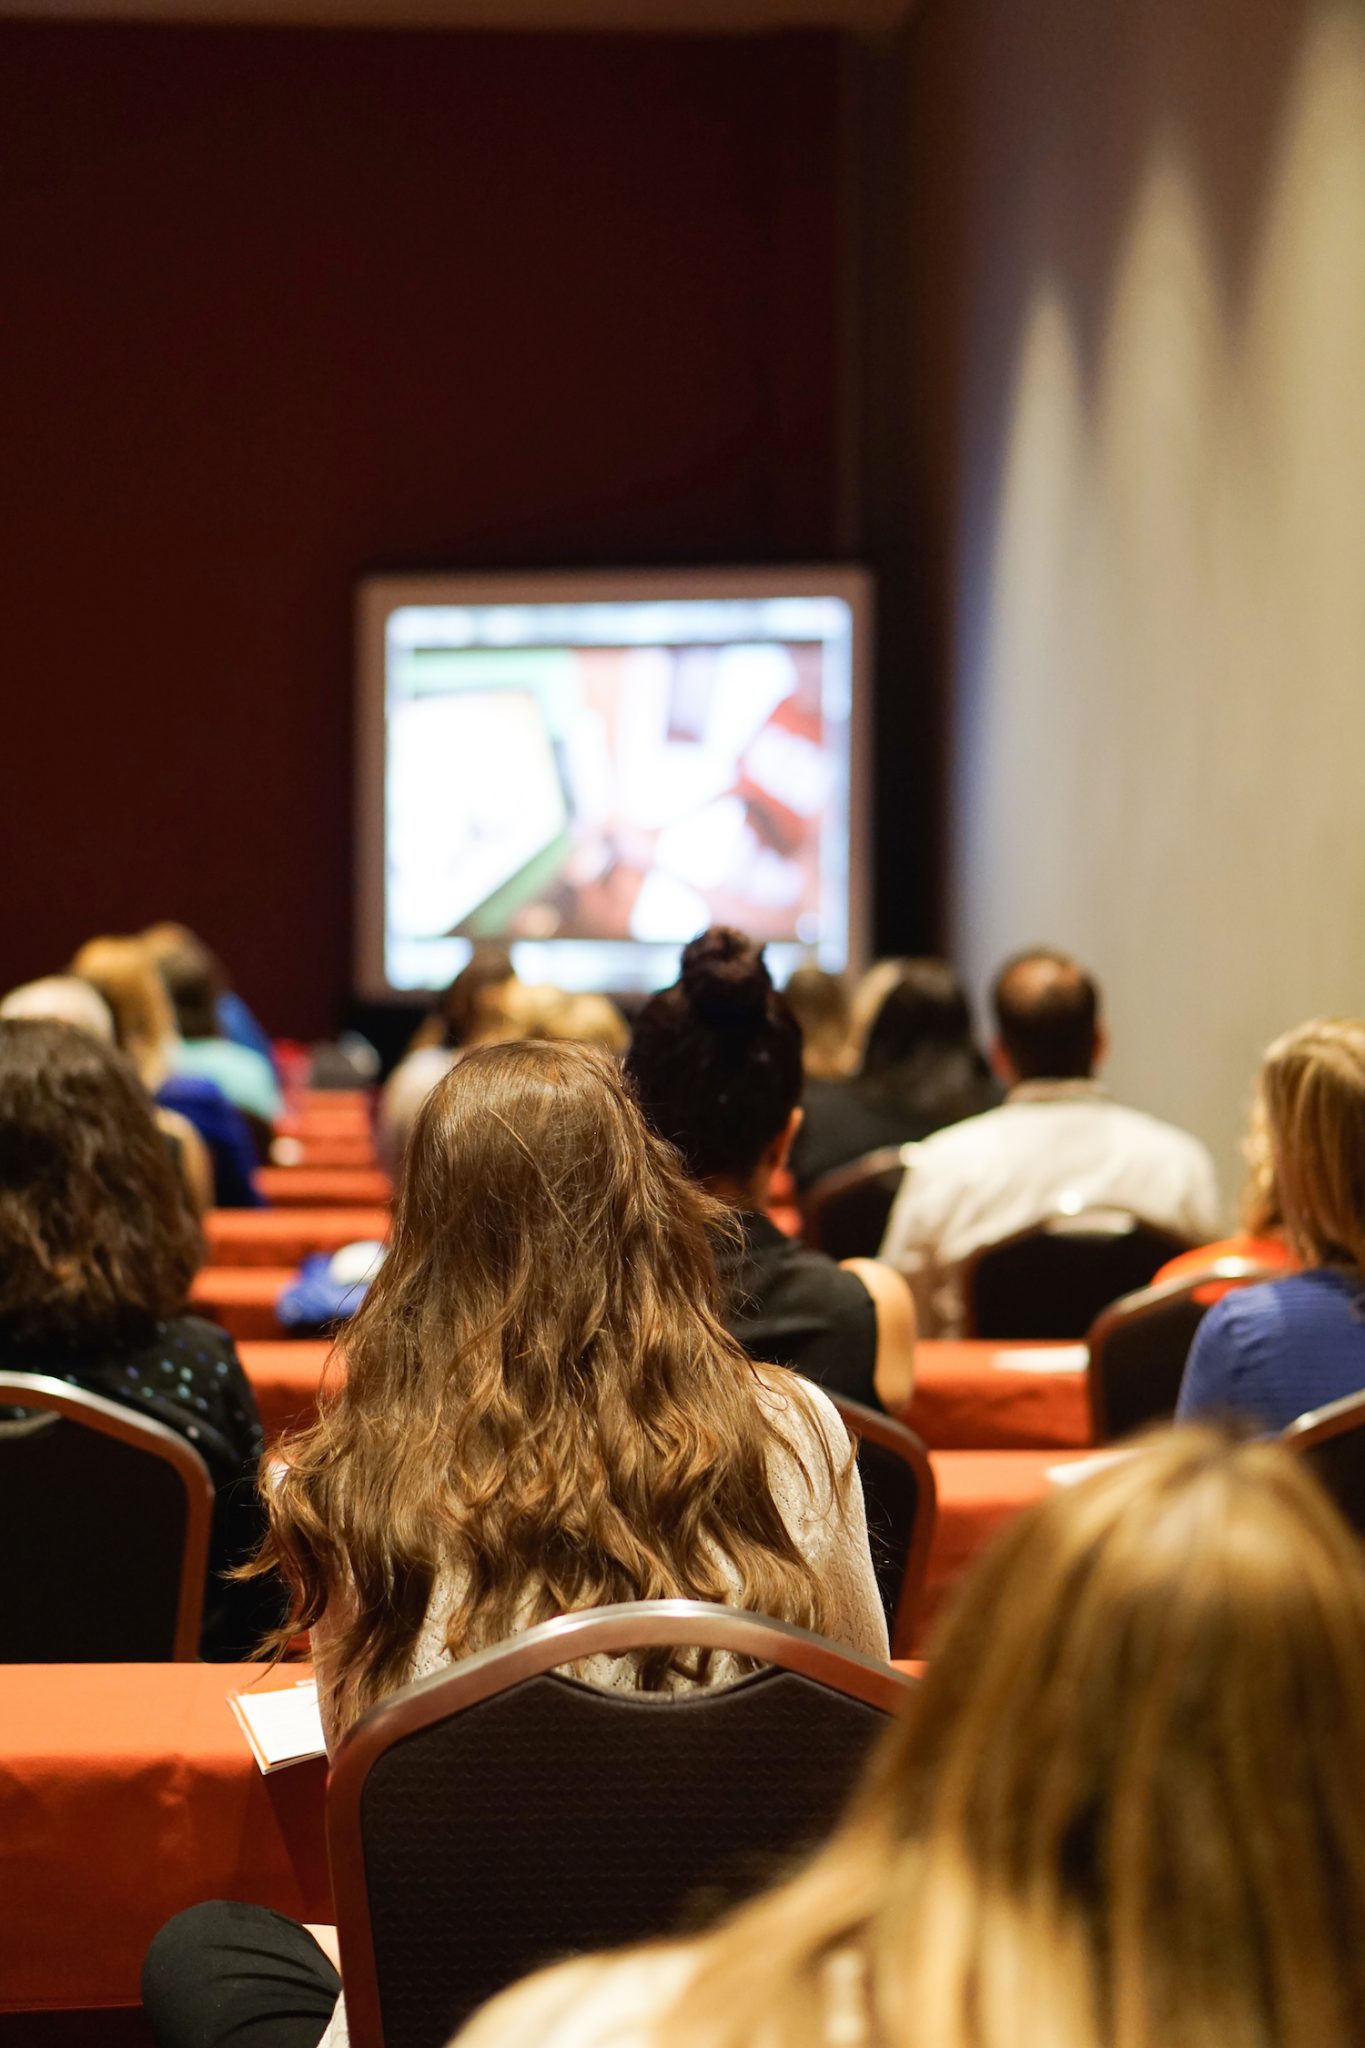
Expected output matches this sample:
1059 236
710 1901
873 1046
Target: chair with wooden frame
1138 1345
844 1213
1332 1439
901 1498
1054 1278
104 1524
503 1813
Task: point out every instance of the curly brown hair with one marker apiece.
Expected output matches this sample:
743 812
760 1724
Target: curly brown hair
96 1244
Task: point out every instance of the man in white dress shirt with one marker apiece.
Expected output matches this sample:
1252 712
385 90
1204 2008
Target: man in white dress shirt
1057 1143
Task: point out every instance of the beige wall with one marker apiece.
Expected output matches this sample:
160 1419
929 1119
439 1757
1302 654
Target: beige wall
1138 231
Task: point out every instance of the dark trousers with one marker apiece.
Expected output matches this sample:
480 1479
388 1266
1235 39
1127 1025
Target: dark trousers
227 1976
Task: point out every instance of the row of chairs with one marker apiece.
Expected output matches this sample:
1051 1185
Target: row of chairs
71 1468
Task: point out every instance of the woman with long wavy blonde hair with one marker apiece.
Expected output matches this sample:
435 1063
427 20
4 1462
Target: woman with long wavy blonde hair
1123 1810
541 1412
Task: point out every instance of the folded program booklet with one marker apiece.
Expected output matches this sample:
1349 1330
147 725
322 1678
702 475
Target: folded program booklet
282 1726
1041 1358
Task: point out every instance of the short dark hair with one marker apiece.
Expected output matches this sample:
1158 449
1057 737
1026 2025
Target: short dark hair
924 1009
96 1244
1047 1013
194 983
716 1059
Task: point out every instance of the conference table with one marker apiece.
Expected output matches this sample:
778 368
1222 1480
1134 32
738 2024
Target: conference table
251 1238
323 1187
969 1395
127 1792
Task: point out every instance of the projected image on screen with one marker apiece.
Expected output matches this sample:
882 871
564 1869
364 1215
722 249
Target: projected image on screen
593 784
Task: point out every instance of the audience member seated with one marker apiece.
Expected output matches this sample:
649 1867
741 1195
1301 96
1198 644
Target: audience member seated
1058 1141
1123 1806
921 1068
819 1001
470 1013
567 1019
503 1013
235 1020
66 999
1273 1352
97 1251
716 1063
541 1412
1261 1237
125 975
204 1053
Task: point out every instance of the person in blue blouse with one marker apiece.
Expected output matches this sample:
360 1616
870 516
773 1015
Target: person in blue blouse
1274 1352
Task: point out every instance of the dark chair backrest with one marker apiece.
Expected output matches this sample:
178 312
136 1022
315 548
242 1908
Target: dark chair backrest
901 1497
1053 1279
104 1527
1332 1439
844 1213
501 1814
1139 1345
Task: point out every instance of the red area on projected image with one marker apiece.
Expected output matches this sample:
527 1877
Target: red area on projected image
634 793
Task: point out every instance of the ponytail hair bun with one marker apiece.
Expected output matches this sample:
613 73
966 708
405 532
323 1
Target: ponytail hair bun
725 980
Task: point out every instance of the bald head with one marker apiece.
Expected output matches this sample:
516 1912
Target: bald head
1047 1016
65 999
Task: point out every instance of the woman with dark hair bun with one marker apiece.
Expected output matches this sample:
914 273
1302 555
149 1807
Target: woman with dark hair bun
921 1068
716 1063
97 1251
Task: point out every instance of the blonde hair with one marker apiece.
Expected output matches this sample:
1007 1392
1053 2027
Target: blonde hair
584 1020
1261 1214
514 1010
822 1007
872 990
1123 1809
125 973
1313 1083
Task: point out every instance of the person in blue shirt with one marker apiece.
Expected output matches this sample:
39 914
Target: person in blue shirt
1275 1352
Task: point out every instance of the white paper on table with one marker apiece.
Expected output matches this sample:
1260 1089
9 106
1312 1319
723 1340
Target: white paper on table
281 1727
1077 1469
1042 1358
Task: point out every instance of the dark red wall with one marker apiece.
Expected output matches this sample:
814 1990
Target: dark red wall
282 307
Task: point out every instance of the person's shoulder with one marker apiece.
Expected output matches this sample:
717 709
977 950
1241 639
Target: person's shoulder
804 1409
184 1089
1247 1315
961 1140
1156 1131
206 1337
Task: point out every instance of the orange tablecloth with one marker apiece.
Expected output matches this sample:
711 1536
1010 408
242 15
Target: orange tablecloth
241 1298
325 1187
978 1493
285 1237
350 1150
965 1399
962 1401
285 1379
331 1112
126 1793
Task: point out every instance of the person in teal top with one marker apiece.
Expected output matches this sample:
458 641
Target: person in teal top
245 1076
